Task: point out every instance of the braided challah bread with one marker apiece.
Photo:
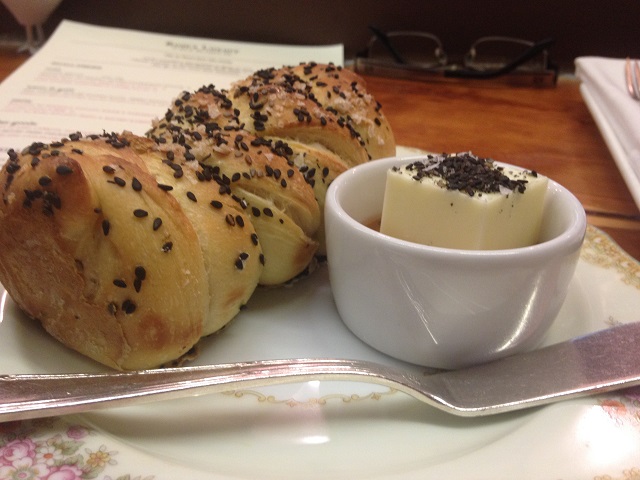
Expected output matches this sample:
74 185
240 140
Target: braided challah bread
129 249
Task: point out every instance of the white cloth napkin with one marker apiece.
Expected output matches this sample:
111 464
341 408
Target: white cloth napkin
616 113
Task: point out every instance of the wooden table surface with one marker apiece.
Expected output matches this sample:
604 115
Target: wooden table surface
549 130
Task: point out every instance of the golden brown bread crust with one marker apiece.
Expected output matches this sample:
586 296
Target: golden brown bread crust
232 253
344 92
130 249
109 260
318 117
274 193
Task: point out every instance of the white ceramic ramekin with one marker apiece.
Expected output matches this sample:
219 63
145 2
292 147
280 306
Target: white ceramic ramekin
440 307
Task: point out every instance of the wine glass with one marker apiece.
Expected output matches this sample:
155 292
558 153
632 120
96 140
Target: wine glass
31 14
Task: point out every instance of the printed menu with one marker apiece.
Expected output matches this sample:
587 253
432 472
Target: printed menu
92 79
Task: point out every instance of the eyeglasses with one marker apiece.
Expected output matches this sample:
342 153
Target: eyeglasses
421 55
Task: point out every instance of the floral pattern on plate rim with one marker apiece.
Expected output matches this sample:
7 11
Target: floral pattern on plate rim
52 449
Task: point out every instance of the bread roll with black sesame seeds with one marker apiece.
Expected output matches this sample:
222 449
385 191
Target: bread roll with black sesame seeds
129 249
344 92
319 117
248 169
232 253
319 167
95 245
274 111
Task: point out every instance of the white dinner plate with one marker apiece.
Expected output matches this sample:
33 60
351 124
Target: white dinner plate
338 430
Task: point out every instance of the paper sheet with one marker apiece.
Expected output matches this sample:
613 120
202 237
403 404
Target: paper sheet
90 79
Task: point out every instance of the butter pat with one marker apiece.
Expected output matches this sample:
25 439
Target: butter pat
464 202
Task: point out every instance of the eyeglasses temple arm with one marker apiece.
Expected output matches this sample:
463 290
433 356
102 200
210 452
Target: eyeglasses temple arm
527 55
384 39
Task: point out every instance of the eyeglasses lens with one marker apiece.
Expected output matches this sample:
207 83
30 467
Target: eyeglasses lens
414 48
492 53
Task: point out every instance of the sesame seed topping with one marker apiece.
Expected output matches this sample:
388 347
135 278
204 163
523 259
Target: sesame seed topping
140 272
13 168
63 170
119 181
140 213
44 181
157 223
128 307
466 173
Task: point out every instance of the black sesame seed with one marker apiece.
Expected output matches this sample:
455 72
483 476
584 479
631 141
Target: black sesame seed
136 185
106 226
12 168
119 181
108 169
267 211
137 285
239 221
140 272
140 213
44 181
254 239
128 306
191 196
157 223
167 247
63 170
120 283
166 188
216 204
